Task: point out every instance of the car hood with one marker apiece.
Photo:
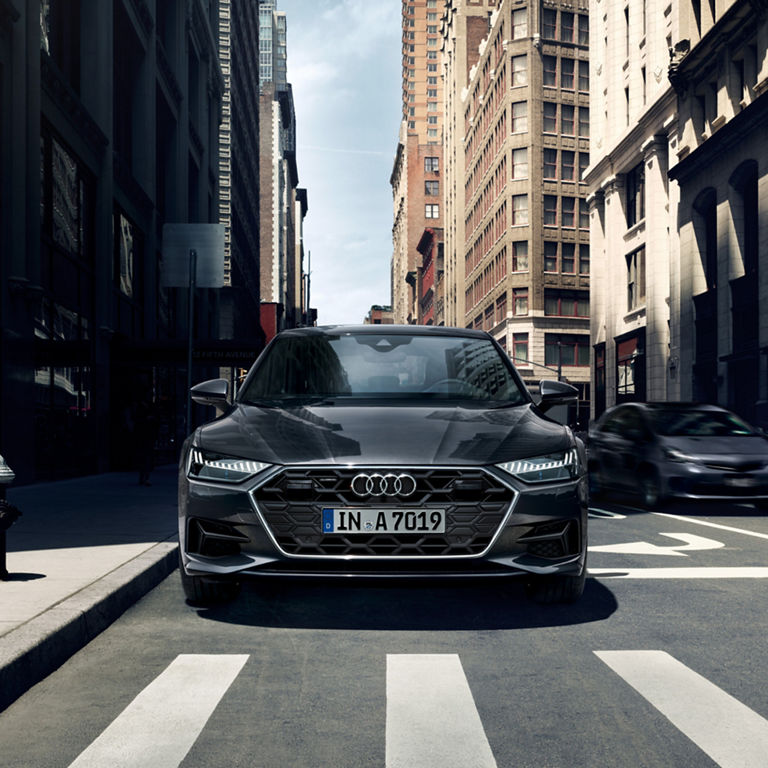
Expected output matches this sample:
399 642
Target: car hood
388 435
721 447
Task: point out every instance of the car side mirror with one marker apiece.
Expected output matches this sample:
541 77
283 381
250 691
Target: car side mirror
212 392
556 393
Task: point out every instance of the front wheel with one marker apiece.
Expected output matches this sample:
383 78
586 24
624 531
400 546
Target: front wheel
202 591
563 588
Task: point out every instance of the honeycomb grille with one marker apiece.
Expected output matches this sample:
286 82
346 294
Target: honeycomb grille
292 501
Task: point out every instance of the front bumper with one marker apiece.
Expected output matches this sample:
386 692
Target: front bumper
702 482
496 526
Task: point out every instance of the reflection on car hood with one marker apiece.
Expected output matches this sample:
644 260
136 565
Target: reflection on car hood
719 446
384 434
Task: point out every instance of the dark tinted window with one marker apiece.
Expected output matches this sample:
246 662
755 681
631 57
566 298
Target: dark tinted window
375 365
693 423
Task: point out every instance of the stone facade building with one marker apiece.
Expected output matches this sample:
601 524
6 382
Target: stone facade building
109 120
416 180
524 135
677 190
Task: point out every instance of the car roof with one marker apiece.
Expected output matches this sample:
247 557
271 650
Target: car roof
389 330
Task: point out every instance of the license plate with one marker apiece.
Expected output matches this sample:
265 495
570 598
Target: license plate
740 482
368 520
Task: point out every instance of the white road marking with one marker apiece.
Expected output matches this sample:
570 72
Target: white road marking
728 731
602 513
161 724
714 525
757 572
432 721
691 543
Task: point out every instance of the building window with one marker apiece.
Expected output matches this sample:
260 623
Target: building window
566 349
519 209
583 214
519 301
520 347
549 24
584 76
550 210
432 187
550 256
583 29
519 24
550 163
520 117
520 163
566 303
566 73
431 106
431 93
584 122
431 80
431 29
520 256
431 164
550 117
583 258
431 67
583 164
432 133
431 54
432 42
567 169
635 192
568 212
550 70
519 70
566 27
432 119
568 258
411 124
636 279
566 119
501 308
432 211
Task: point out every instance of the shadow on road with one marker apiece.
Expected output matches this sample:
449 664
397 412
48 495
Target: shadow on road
442 607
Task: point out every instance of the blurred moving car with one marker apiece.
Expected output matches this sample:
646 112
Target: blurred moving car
405 452
677 450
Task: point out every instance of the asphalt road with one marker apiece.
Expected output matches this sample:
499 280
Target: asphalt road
661 664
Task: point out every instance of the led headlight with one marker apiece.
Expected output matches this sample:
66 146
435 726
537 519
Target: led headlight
543 469
223 469
674 455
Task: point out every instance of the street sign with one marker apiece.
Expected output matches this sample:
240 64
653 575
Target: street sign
179 240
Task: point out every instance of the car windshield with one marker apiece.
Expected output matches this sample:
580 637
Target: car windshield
694 423
380 365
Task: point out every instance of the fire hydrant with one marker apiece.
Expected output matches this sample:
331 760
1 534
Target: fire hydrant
8 513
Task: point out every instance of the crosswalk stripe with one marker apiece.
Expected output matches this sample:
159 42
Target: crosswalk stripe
728 731
161 724
702 572
432 721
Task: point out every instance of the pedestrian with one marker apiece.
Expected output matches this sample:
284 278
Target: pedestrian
145 434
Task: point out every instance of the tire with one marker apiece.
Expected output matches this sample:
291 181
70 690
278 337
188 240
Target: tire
650 490
203 591
548 590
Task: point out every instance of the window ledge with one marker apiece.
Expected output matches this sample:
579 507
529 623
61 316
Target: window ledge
635 314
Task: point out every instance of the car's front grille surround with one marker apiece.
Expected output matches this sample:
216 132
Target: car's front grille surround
476 504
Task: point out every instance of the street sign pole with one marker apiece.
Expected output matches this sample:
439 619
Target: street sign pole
192 279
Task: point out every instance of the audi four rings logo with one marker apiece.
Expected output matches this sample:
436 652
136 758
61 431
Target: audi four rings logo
384 485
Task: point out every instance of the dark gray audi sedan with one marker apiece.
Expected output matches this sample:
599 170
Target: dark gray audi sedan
383 451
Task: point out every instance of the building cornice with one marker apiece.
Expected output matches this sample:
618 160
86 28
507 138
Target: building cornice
654 122
750 122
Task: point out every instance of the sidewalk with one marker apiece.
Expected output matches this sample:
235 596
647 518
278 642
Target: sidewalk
82 552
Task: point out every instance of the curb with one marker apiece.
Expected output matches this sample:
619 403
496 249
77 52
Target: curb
35 649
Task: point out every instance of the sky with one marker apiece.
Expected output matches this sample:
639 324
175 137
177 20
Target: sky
344 63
